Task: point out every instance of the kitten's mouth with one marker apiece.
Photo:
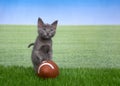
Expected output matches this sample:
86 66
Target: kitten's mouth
47 37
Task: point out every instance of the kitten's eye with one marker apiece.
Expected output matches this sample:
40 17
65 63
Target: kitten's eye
51 29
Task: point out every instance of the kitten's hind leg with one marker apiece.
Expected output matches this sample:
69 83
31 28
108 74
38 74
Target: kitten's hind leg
36 62
36 68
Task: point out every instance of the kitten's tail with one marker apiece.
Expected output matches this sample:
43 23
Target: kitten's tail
30 45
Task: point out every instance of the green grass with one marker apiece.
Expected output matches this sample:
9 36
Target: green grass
86 55
73 46
20 76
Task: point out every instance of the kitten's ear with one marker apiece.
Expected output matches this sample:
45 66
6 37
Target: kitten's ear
54 24
40 23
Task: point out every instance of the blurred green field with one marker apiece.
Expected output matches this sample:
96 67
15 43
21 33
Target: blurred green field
86 56
73 46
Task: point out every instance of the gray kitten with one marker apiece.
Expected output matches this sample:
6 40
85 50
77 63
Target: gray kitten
42 49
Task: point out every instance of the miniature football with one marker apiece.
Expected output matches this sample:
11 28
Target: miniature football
48 69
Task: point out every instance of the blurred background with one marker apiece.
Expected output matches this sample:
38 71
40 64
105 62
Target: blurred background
88 32
68 12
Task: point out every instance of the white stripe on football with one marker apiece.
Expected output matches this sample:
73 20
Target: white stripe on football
43 65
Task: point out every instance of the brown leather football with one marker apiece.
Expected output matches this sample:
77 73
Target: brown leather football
48 69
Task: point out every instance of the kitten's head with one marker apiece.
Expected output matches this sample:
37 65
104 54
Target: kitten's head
46 31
